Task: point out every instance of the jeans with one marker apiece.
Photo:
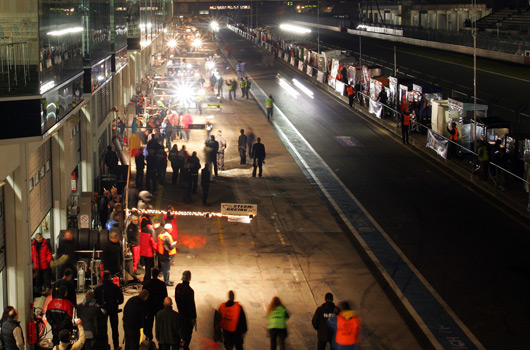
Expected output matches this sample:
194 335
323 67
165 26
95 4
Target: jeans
269 113
258 163
221 160
278 336
166 266
243 155
149 263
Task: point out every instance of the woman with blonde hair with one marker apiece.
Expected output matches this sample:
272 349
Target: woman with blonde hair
278 316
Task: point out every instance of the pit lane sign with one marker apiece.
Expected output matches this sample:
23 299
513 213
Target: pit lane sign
239 209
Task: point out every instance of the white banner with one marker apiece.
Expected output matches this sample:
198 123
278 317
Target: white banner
239 209
438 143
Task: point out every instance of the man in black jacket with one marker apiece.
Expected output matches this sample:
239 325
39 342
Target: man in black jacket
109 296
212 147
319 321
157 293
258 153
185 299
168 326
113 253
133 319
68 282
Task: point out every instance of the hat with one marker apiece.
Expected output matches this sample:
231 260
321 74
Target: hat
329 297
168 226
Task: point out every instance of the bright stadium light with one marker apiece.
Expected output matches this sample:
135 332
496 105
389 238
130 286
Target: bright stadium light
295 29
214 26
172 43
196 43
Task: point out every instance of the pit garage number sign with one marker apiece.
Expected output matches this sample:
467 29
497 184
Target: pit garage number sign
239 209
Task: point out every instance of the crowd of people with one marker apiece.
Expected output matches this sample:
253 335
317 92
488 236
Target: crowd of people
339 326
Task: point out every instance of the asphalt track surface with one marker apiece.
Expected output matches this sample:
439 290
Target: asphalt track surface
503 93
470 249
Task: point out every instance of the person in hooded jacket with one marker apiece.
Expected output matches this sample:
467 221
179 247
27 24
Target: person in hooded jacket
91 315
319 321
41 256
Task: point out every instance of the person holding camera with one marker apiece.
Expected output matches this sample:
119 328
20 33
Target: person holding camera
65 337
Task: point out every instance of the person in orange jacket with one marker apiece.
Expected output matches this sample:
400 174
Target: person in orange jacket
233 323
347 328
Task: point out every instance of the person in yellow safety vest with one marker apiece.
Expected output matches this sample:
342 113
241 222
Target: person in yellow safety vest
278 316
243 86
233 323
268 105
351 94
347 328
166 250
405 125
230 89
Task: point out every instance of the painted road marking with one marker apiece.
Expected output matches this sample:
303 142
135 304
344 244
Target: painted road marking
348 141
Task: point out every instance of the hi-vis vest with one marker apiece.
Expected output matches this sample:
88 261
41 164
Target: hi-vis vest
350 90
161 248
406 119
230 316
347 330
268 102
277 318
454 136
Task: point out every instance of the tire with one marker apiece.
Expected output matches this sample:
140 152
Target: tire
94 239
83 242
103 238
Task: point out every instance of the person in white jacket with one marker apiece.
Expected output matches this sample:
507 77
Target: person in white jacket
65 336
221 152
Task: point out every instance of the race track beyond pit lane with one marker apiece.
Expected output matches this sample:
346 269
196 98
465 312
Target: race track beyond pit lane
470 249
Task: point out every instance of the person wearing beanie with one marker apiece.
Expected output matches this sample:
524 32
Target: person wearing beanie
319 321
185 299
65 339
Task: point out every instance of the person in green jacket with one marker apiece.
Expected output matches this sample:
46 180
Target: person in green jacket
278 316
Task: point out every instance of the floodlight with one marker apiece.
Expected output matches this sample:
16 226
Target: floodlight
295 29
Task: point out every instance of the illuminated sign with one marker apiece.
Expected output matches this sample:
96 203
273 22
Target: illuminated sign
231 7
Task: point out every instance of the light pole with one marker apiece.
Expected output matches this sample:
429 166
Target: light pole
318 26
474 32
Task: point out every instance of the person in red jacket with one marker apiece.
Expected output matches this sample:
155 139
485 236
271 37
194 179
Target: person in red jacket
59 314
147 249
41 256
186 121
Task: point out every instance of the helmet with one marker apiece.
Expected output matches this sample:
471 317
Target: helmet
145 196
111 223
